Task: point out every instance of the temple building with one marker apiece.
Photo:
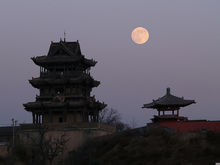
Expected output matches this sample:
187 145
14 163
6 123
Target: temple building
168 107
64 85
64 105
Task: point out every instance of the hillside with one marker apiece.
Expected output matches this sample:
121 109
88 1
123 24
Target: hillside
153 146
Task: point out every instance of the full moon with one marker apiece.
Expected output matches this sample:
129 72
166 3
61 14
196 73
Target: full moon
140 35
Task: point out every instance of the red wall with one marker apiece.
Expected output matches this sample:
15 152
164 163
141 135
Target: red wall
187 126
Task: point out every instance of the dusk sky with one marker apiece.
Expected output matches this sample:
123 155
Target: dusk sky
183 52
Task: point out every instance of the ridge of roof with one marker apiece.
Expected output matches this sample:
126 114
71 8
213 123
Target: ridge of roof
169 100
70 48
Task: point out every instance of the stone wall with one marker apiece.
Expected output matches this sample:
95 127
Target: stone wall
76 133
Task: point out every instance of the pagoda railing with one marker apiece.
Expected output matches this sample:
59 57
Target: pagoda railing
60 74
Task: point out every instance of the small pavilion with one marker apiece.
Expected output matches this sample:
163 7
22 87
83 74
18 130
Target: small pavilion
168 107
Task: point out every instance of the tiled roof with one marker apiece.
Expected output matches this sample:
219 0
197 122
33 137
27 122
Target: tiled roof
67 48
169 100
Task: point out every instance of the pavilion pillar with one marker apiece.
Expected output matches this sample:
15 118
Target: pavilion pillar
86 116
158 113
97 117
94 118
163 112
41 119
178 112
83 116
172 112
33 116
37 118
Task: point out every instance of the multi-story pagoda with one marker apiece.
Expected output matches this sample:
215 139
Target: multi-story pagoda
65 85
168 107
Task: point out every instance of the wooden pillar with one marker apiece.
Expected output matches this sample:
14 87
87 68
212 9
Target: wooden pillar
158 113
86 116
64 115
98 117
33 116
37 118
83 116
172 112
40 119
163 112
50 116
178 112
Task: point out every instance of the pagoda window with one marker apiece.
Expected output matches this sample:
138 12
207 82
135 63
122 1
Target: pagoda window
45 91
67 91
79 91
49 90
42 91
52 91
74 91
59 90
60 120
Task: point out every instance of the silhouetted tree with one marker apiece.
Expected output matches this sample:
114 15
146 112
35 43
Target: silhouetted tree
112 117
45 146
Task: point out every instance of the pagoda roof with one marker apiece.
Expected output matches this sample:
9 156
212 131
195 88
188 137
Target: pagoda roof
44 105
63 53
169 100
63 47
83 79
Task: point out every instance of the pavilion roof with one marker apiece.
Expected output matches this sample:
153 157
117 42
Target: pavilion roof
169 100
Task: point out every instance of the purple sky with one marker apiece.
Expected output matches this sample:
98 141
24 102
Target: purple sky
183 52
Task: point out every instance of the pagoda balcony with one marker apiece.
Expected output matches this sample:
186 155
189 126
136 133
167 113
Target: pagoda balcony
65 74
48 98
51 79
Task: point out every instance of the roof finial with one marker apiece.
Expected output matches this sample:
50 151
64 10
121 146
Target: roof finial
64 34
168 91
